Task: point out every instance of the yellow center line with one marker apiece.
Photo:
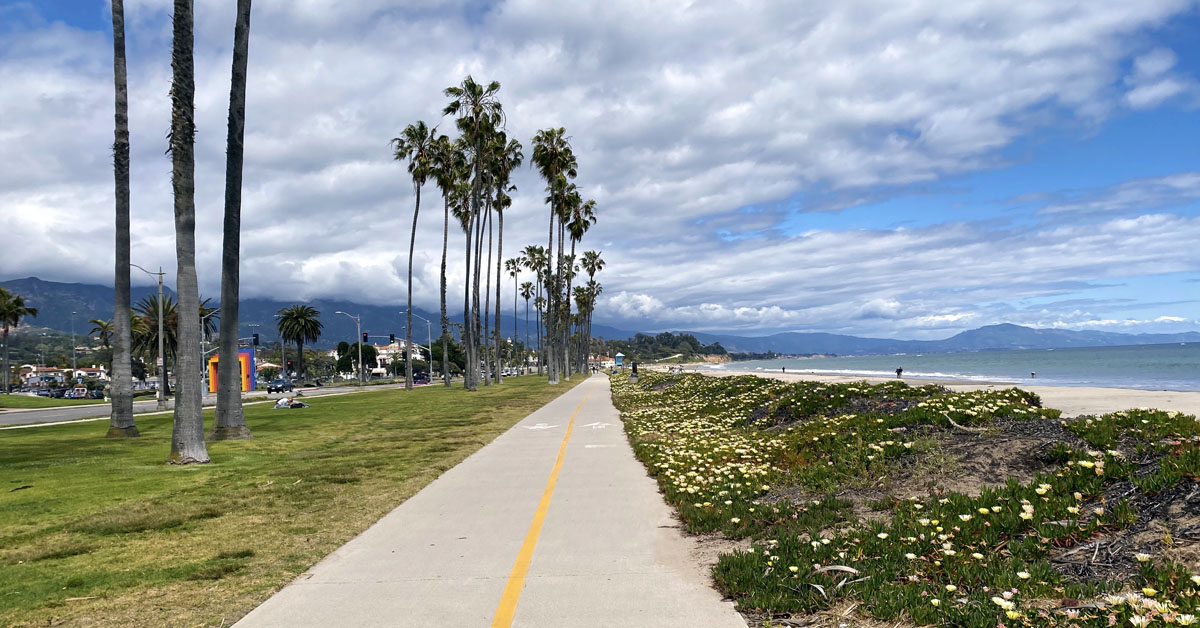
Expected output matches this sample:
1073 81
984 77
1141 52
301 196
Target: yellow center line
516 578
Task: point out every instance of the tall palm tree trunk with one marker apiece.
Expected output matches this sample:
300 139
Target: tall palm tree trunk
444 320
230 417
564 322
467 330
538 313
187 437
499 257
485 337
412 243
551 315
567 336
121 424
525 358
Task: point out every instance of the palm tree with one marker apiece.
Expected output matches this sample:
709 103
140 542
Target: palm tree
187 435
146 343
513 267
479 111
582 217
121 424
12 310
416 144
526 293
447 162
230 418
535 260
554 160
103 330
299 324
592 263
508 157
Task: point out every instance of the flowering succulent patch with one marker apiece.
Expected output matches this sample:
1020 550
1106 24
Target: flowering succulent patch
718 445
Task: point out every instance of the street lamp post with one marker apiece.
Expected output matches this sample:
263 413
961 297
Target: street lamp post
428 341
74 363
162 400
283 355
358 327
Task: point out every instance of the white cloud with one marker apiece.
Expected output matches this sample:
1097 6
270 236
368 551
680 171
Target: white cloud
682 114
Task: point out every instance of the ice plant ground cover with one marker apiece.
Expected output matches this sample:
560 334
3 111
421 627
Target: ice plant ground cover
779 463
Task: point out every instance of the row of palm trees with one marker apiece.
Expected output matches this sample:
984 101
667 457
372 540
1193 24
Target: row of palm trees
187 439
474 173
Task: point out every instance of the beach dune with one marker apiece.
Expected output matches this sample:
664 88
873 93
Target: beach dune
1072 400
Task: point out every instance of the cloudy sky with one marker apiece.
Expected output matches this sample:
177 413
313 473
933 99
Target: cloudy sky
858 167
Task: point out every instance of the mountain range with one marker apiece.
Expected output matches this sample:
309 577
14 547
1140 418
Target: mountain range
56 302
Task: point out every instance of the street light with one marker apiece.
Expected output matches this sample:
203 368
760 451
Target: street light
74 364
162 400
428 340
357 326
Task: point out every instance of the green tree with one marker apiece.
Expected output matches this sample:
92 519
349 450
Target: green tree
555 161
299 324
479 112
12 310
230 418
526 293
417 145
187 434
449 165
121 423
103 330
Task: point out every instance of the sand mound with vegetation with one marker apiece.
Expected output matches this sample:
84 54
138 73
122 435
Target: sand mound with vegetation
854 503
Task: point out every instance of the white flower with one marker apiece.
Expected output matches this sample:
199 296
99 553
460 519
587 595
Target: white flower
1024 575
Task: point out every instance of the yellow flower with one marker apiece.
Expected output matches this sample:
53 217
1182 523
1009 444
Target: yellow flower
1024 575
951 588
935 602
1185 620
735 520
1149 591
1012 614
793 569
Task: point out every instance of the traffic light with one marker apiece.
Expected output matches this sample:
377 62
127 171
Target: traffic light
364 338
256 340
392 338
289 366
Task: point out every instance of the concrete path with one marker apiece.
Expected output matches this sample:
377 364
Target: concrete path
554 524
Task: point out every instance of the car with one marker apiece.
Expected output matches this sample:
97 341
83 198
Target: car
280 385
96 394
420 378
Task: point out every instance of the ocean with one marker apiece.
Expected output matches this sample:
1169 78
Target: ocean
1146 367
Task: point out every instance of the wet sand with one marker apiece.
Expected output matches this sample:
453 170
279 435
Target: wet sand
1072 400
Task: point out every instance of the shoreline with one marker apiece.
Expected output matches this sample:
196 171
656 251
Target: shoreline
1072 400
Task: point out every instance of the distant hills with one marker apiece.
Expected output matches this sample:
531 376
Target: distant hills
990 337
57 300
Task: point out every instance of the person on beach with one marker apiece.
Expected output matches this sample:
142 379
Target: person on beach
784 369
898 372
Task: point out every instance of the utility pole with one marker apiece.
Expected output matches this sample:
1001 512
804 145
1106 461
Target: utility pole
162 358
428 341
74 362
358 335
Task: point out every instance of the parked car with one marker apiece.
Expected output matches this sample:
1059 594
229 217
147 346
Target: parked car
96 394
420 378
280 385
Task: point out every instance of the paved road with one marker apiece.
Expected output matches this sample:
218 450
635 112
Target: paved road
73 413
554 524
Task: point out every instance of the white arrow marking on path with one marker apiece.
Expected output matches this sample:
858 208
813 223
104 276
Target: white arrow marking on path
597 425
539 426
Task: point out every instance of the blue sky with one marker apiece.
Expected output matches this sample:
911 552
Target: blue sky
897 170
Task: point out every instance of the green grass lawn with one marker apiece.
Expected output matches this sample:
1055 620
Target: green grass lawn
95 530
21 402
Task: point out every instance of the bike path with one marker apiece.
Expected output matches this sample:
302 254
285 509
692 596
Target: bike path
553 524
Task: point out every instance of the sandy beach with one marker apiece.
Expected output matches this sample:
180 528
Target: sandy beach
1072 400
